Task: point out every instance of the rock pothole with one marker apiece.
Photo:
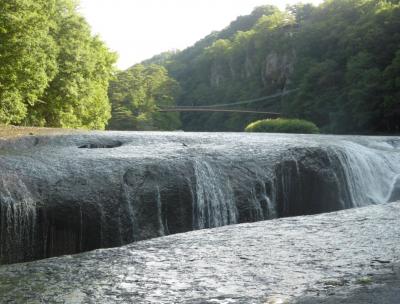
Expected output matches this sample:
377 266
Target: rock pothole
101 145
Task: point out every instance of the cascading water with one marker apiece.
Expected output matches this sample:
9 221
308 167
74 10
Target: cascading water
214 203
18 216
75 193
370 176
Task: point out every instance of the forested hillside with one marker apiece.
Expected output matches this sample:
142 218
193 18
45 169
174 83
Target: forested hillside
53 72
342 58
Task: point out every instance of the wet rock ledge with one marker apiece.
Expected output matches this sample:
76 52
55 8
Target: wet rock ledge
72 193
350 256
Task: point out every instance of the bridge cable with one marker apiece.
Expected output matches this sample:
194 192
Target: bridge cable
244 101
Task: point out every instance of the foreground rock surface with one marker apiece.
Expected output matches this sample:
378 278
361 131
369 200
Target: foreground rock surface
350 256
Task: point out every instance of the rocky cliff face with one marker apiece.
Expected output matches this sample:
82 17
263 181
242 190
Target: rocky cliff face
277 70
274 71
74 193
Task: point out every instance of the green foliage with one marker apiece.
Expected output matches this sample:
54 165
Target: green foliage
343 50
219 50
365 280
281 125
27 55
136 95
391 89
161 59
52 71
77 95
342 57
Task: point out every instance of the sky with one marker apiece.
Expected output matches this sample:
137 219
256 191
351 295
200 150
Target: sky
140 29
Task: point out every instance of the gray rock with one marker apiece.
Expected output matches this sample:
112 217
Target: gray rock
395 193
73 193
351 256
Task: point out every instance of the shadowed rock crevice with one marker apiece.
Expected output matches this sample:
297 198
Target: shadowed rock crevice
68 230
40 233
101 145
313 184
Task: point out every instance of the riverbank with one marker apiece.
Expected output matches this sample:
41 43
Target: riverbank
7 132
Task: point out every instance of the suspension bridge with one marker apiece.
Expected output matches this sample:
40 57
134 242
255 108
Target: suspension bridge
227 107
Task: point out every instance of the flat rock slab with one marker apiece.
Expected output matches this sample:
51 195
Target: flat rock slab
351 256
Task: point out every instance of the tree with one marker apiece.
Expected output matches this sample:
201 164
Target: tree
77 96
363 80
318 91
392 95
136 95
52 71
27 55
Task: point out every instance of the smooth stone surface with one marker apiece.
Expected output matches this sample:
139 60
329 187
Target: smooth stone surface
350 256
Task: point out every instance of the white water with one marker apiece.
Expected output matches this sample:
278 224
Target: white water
18 219
370 173
214 203
370 176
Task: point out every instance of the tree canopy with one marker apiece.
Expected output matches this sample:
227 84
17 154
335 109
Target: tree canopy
27 55
137 93
53 72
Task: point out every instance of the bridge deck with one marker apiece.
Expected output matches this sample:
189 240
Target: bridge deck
198 109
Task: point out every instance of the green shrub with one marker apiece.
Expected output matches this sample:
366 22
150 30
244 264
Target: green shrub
283 125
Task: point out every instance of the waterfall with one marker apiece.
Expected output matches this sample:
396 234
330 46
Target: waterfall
214 203
262 204
161 229
394 190
370 173
18 218
63 200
